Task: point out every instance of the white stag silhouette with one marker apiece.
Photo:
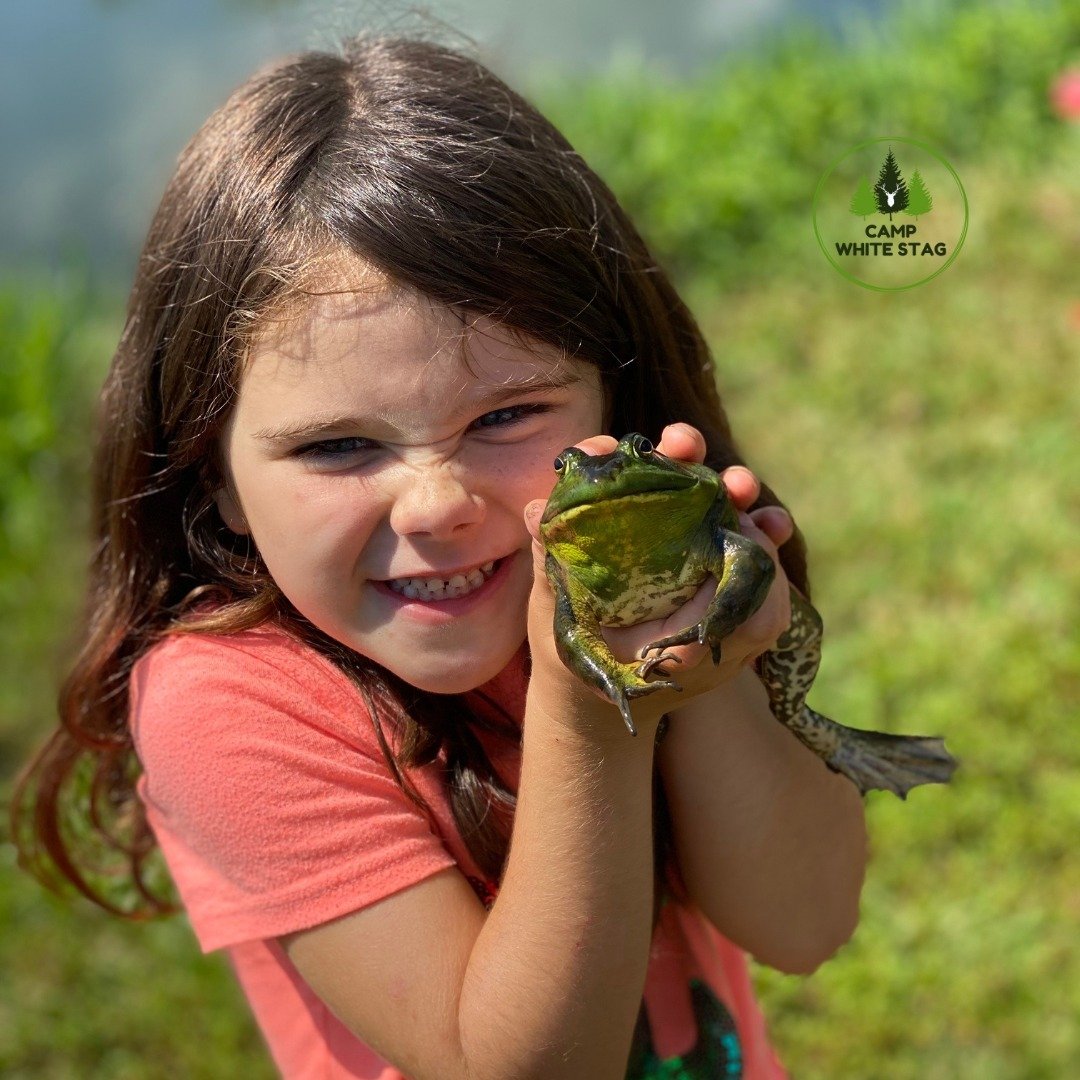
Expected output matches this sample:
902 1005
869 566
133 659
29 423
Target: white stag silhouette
890 195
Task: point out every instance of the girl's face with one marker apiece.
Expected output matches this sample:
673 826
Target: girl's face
381 455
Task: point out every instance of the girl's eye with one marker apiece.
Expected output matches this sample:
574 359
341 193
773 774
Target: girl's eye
336 451
513 414
330 450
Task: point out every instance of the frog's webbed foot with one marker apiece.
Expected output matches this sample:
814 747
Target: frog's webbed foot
743 581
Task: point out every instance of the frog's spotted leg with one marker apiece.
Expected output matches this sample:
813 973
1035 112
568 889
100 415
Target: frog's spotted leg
584 651
744 573
871 759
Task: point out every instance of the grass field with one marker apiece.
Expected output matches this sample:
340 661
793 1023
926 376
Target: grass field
926 442
928 446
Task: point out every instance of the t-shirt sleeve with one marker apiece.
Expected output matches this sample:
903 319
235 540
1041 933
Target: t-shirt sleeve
266 788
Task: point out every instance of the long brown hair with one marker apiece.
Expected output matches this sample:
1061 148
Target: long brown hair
416 159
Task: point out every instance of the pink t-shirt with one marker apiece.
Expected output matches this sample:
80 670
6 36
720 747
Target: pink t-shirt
275 811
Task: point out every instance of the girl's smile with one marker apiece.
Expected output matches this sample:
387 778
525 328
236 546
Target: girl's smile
436 600
381 453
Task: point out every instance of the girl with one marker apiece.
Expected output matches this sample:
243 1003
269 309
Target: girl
381 293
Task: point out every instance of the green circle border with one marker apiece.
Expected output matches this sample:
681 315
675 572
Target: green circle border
851 277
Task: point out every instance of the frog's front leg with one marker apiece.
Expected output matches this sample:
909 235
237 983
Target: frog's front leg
584 651
744 572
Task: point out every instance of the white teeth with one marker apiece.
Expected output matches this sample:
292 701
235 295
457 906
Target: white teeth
441 589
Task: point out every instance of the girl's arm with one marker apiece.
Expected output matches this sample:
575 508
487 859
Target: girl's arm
770 843
549 982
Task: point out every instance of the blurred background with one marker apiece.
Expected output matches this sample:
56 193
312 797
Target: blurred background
926 441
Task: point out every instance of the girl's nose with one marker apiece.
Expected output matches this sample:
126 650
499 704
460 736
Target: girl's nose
435 503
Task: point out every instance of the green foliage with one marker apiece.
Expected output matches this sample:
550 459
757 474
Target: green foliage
720 172
925 442
86 995
39 398
46 384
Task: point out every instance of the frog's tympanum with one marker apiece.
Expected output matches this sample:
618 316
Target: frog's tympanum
631 536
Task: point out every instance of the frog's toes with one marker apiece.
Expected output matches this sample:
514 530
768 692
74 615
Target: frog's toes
705 638
648 688
653 663
623 703
708 632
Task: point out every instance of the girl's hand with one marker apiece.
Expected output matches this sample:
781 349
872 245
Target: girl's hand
768 527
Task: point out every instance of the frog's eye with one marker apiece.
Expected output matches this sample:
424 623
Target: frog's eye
642 445
560 464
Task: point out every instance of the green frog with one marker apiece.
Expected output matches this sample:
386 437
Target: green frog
631 536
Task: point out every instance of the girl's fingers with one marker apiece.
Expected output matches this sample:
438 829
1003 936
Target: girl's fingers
534 511
742 485
597 444
774 615
683 443
751 528
775 522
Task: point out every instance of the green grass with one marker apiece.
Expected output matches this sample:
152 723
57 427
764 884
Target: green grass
926 443
45 387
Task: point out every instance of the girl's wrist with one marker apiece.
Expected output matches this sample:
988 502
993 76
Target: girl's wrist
579 714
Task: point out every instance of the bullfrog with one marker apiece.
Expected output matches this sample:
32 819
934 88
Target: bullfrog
631 536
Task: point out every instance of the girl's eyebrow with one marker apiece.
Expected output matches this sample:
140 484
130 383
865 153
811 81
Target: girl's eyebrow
313 428
320 426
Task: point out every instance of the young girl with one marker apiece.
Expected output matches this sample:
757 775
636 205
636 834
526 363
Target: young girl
380 295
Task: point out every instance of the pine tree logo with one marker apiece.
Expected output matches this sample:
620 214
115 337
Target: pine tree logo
890 189
864 201
891 194
919 199
882 229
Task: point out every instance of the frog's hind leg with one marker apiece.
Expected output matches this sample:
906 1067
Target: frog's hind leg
870 759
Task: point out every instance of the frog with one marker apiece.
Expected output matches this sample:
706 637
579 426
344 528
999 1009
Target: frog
630 536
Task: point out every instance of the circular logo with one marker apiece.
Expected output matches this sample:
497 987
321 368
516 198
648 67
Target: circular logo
890 214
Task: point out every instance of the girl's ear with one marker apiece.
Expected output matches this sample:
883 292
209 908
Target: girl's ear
230 512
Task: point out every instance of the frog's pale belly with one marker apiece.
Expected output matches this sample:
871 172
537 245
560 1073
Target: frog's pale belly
643 595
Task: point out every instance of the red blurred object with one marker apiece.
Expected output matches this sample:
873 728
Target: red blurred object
1074 315
1065 95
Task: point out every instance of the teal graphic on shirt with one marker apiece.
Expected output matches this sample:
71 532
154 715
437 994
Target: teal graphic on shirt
716 1055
